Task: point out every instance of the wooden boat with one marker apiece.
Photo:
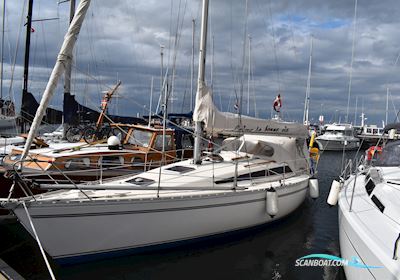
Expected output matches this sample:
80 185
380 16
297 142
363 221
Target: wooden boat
139 150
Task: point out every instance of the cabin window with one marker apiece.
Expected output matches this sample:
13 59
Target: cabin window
111 161
77 163
378 203
369 187
159 143
369 130
140 138
258 174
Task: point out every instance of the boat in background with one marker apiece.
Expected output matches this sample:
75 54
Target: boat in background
138 150
338 137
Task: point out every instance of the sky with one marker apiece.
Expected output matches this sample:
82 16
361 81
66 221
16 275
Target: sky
122 40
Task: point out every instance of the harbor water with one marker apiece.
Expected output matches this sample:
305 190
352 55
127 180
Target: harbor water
267 252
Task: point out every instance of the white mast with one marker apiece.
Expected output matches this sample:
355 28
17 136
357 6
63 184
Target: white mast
2 49
201 82
355 112
352 60
192 66
248 78
308 88
63 59
151 101
387 106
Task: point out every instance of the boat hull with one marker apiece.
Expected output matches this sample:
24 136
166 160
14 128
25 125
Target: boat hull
355 241
336 145
72 232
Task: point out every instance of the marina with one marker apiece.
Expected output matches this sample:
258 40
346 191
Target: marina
146 144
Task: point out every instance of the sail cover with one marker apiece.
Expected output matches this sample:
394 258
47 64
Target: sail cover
227 123
30 105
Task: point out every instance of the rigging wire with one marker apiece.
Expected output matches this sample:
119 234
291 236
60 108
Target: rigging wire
278 75
16 49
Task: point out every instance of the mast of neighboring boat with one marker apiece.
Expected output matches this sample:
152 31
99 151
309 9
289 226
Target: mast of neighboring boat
2 49
308 88
27 53
151 100
352 60
68 70
63 57
162 81
201 81
248 78
387 105
355 112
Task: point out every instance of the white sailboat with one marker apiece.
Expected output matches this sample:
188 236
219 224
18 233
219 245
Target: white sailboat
369 227
254 180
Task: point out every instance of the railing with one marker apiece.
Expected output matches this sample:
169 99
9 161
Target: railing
99 170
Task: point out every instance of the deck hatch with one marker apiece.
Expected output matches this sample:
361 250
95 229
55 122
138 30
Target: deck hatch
180 169
140 181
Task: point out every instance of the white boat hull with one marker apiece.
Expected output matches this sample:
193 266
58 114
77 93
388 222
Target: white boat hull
92 229
357 240
337 145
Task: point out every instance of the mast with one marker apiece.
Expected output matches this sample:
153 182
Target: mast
355 112
387 105
212 64
27 46
352 60
201 81
2 49
27 53
64 57
248 78
151 100
68 69
161 78
192 66
308 88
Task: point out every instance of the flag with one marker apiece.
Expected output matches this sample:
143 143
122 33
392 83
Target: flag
277 103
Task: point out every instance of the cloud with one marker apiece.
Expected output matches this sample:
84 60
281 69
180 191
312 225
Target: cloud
121 40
